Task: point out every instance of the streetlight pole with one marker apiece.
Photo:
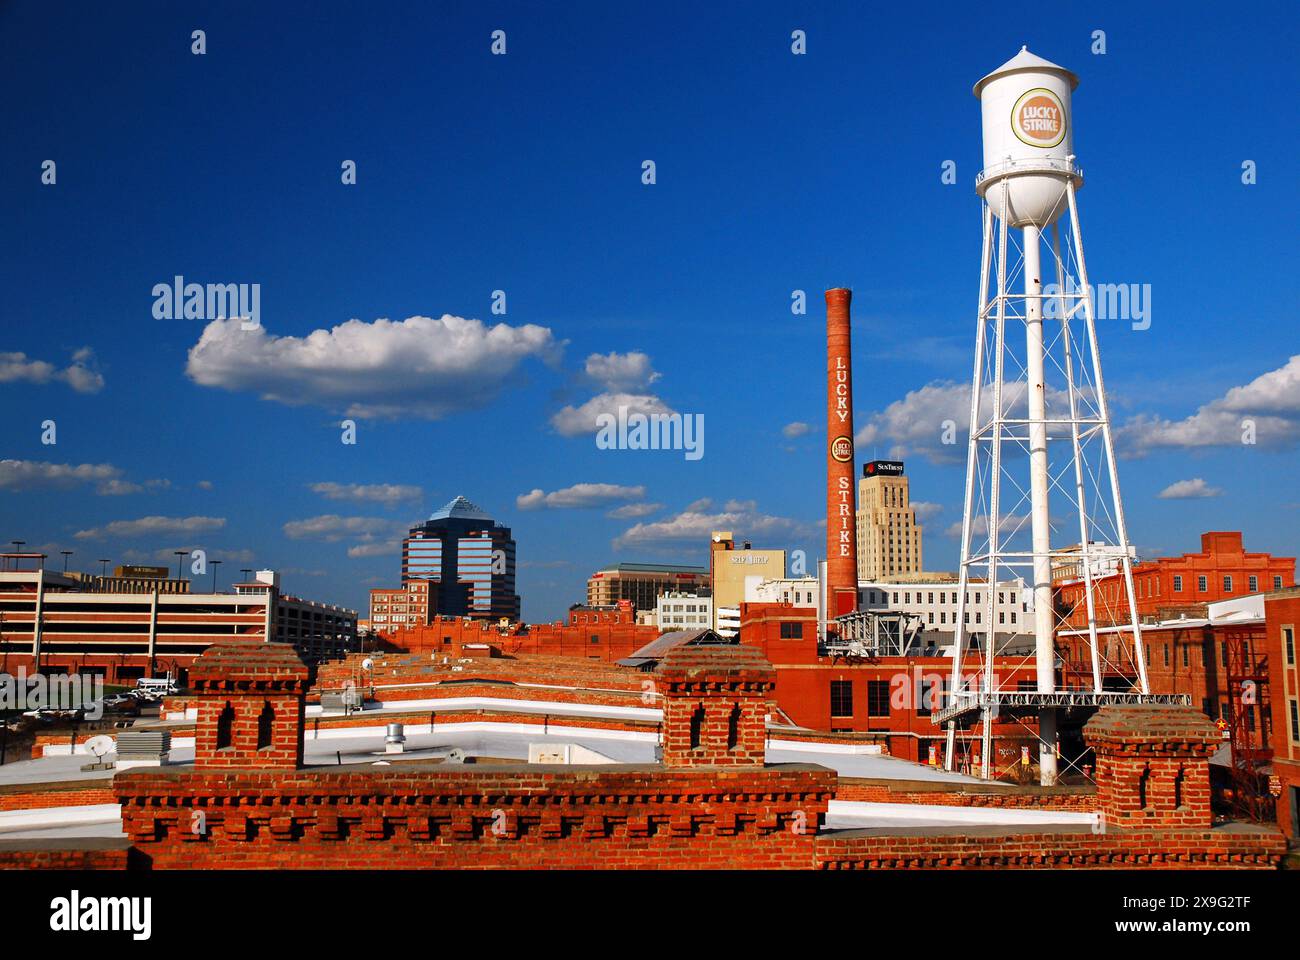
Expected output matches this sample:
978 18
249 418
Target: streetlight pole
18 548
179 554
214 564
66 554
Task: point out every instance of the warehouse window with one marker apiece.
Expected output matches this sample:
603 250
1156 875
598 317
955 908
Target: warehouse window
841 698
1295 721
791 630
1277 583
877 698
1178 584
1185 655
1254 584
1288 644
1202 584
1227 584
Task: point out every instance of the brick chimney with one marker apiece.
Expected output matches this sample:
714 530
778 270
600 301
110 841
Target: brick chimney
250 697
841 514
716 701
1153 765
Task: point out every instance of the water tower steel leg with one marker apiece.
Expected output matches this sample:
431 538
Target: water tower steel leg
1085 535
1103 411
972 462
995 465
1036 389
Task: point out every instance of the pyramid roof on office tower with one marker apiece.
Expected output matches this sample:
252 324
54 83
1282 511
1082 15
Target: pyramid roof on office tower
460 509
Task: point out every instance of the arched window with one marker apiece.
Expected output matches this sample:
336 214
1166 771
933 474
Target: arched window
1142 787
265 719
225 726
733 728
697 725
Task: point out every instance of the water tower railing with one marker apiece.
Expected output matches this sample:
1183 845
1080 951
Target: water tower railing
1044 165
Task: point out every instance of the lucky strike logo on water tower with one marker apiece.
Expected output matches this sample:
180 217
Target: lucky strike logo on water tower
1038 118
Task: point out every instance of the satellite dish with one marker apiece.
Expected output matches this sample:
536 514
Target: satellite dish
367 664
100 745
455 755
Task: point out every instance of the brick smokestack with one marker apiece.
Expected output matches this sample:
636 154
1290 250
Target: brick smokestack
841 523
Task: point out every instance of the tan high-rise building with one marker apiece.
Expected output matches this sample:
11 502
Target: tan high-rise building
729 569
889 538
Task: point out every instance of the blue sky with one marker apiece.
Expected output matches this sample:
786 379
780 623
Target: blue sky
522 173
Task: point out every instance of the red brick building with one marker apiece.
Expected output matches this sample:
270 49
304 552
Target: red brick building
606 633
406 606
1282 621
892 696
1167 586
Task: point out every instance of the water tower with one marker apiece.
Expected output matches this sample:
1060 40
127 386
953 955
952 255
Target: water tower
1042 499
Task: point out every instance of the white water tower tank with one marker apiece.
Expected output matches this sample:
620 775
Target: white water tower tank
1028 139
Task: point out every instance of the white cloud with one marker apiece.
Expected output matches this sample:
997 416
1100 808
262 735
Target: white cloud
632 511
377 548
695 527
926 511
796 429
621 372
204 484
1193 489
1010 524
151 526
80 375
386 493
418 367
574 421
331 527
579 496
39 474
1271 401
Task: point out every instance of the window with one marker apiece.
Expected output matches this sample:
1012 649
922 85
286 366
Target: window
1288 644
1202 584
1254 584
791 630
1185 655
1178 584
1002 616
1295 721
1013 616
1227 584
841 698
927 697
1277 583
877 698
1166 654
1224 651
595 638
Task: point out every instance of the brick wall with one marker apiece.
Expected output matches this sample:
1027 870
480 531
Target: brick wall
435 816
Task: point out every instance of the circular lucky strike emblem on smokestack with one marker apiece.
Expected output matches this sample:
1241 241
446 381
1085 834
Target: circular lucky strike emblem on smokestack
842 449
1038 118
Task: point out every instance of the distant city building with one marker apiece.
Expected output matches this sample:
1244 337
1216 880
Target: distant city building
889 538
410 605
54 622
684 611
730 568
470 557
643 583
133 579
935 602
796 591
1168 586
